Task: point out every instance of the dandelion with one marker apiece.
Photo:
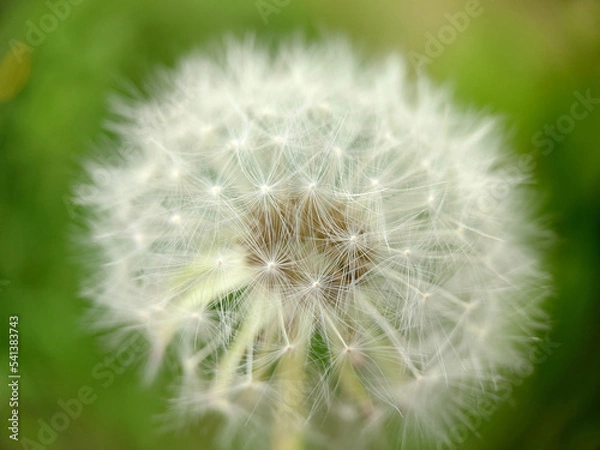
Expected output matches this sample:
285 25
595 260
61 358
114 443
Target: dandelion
313 237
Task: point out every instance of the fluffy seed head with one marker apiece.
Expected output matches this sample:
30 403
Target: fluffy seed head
312 236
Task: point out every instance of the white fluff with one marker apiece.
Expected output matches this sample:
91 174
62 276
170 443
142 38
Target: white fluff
305 202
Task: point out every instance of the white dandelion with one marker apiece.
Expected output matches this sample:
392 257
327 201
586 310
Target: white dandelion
311 235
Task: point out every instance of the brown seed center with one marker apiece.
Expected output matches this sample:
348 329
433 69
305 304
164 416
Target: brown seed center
304 245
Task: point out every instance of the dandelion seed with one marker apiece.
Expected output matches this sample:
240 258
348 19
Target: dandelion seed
348 278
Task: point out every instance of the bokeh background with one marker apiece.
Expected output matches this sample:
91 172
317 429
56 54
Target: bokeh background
528 61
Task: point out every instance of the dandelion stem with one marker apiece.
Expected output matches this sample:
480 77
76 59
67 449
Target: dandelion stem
354 386
287 432
243 340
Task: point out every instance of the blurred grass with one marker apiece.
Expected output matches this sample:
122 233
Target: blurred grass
524 61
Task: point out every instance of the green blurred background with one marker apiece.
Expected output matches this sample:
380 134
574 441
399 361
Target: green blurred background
527 61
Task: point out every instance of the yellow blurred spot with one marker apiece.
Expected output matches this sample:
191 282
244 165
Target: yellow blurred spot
15 69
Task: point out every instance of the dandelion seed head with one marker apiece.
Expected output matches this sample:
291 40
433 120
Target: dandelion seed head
304 231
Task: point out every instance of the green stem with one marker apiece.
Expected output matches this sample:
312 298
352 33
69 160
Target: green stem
354 386
244 339
291 373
